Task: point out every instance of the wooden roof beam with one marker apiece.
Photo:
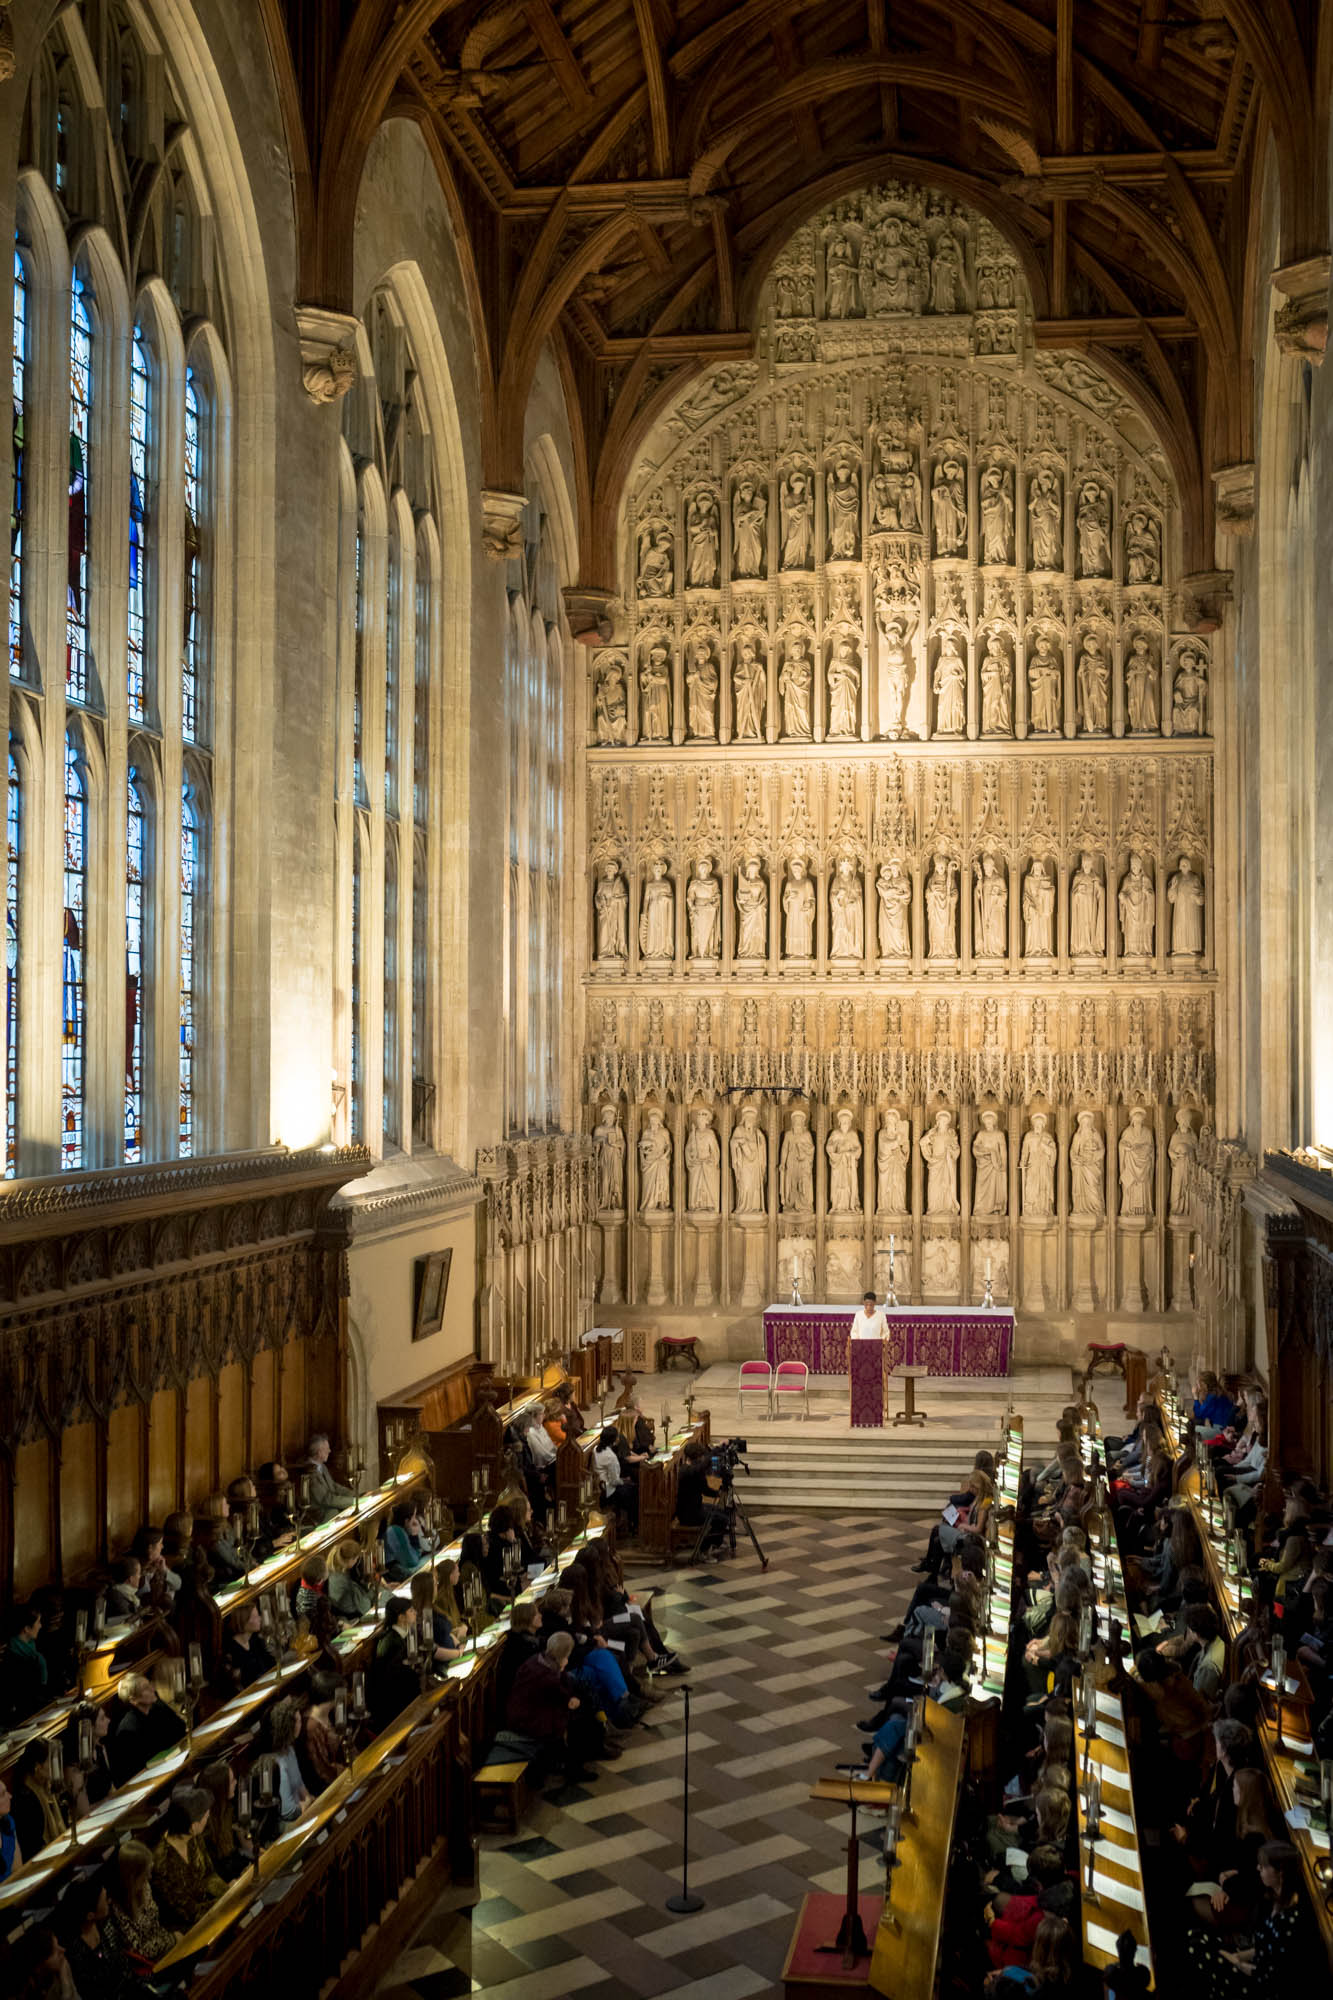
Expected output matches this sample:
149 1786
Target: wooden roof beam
550 38
1152 26
659 106
787 51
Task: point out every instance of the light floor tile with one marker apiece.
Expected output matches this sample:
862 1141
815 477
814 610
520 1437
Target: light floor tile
735 1635
662 1748
574 1976
627 1798
757 1805
787 1718
730 1918
565 1915
773 1760
822 1642
716 1670
837 1611
745 1855
733 1984
605 1853
839 1670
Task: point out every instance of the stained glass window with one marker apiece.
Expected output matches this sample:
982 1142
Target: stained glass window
192 717
18 379
80 434
191 887
136 876
358 1094
141 391
358 670
392 653
14 830
73 1004
420 985
391 1038
421 698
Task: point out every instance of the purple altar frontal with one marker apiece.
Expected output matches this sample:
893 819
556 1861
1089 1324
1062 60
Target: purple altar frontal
948 1340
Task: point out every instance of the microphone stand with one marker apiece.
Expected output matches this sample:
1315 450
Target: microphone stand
685 1904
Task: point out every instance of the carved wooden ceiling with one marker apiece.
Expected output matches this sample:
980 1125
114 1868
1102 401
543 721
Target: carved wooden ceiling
621 171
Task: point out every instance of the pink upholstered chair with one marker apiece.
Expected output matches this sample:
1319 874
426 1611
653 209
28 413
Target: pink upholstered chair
755 1379
792 1379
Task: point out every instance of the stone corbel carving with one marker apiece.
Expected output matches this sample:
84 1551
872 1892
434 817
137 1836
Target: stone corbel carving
1204 597
589 614
502 523
6 44
1233 490
328 352
1301 326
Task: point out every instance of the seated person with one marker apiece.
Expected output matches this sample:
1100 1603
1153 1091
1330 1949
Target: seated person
599 1673
246 1654
122 1595
24 1673
546 1717
406 1543
696 1499
440 1633
38 1818
347 1590
185 1886
522 1642
394 1684
325 1496
146 1727
158 1583
88 1782
212 1533
502 1564
619 1494
134 1924
321 1748
99 1970
229 1853
11 1854
277 1529
1214 1410
313 1585
284 1727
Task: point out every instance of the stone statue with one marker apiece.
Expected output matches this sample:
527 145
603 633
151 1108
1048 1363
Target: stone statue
794 685
796 1167
751 911
844 690
1094 687
990 911
797 508
610 720
950 689
842 490
703 1164
940 1150
654 1165
1181 1152
798 906
749 1165
990 1151
750 689
1184 892
701 691
946 274
702 542
1141 686
657 916
1087 1167
1045 521
1138 910
897 677
656 570
894 889
1036 1164
703 910
749 520
655 696
846 911
893 1149
1087 911
842 292
997 514
843 1147
893 271
610 1143
1187 694
612 901
1143 548
997 690
948 508
1136 1163
1045 685
1038 912
942 908
1092 524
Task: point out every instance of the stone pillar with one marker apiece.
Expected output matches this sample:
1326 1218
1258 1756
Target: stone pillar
754 1236
611 1227
1035 1236
1132 1232
1179 1245
704 1229
656 1226
1083 1245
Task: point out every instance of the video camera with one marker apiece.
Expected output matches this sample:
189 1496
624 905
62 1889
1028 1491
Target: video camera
725 1456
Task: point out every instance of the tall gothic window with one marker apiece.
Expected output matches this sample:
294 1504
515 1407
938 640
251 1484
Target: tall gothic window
80 435
358 1062
19 389
191 884
74 1018
141 392
13 933
136 876
192 565
393 1079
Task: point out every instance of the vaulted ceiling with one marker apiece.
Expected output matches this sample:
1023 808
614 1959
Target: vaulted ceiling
620 171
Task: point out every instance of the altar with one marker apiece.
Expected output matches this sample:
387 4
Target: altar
948 1340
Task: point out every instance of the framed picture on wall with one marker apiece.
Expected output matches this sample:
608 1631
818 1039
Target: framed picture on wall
432 1286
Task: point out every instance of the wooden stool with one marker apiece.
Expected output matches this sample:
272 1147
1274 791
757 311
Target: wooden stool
500 1796
1105 1354
909 1413
676 1346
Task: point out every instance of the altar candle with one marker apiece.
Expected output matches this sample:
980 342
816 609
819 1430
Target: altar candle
988 1270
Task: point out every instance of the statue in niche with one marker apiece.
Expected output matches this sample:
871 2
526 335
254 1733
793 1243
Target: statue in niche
843 1148
749 519
942 908
701 691
1184 892
897 675
703 536
1187 694
990 1151
795 683
750 689
895 492
991 910
946 275
1045 521
997 690
844 690
609 1140
846 911
654 1165
798 521
1094 687
1092 525
798 907
703 1164
657 574
751 910
842 290
1182 1152
842 489
894 890
1143 548
703 910
1141 686
1087 1167
749 1165
1136 1164
1087 910
893 1150
796 1168
948 508
655 696
950 686
610 703
611 899
893 268
1045 678
1036 1165
1138 911
657 917
1038 912
997 514
940 1150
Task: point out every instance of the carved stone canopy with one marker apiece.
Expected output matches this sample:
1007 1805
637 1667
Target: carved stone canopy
502 523
1301 326
328 352
589 614
1204 597
1233 487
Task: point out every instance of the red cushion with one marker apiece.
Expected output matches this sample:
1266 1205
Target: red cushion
679 1339
1107 1346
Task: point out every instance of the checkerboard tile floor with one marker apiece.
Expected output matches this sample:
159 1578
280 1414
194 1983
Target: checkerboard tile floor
781 1663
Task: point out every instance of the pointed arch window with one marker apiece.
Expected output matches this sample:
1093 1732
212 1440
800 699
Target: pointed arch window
74 995
13 921
420 993
136 881
421 693
358 1055
19 389
359 667
141 414
392 1079
80 440
192 861
393 649
193 727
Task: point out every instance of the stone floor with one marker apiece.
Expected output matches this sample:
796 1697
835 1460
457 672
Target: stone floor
780 1664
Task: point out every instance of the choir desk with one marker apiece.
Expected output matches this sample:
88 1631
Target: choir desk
947 1340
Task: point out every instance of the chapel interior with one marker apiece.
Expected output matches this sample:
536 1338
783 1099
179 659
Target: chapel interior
668 1024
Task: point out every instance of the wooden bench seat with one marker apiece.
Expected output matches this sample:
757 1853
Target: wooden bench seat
500 1794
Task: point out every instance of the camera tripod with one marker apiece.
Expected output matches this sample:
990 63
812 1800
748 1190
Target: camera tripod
726 1508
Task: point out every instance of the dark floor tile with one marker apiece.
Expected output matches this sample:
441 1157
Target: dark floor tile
535 1848
442 1985
494 1910
544 1952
